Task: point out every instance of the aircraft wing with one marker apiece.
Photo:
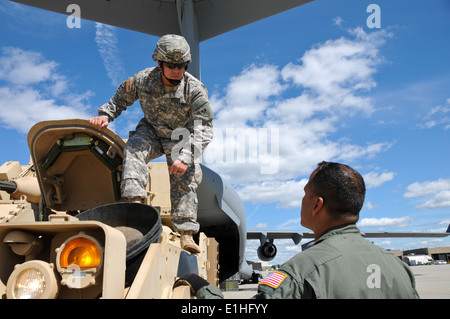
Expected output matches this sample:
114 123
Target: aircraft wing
146 16
404 234
267 250
400 234
159 17
297 236
216 17
263 236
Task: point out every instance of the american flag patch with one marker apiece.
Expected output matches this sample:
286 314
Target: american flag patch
128 86
274 279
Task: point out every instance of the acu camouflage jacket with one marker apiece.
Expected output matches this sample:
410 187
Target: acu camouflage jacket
185 107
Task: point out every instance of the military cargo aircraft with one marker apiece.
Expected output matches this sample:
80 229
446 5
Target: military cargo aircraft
77 169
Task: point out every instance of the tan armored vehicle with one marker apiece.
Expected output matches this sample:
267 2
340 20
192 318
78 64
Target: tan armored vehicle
65 233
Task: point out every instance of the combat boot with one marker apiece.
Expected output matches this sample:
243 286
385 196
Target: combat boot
188 243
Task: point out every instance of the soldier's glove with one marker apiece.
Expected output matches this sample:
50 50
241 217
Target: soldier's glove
195 282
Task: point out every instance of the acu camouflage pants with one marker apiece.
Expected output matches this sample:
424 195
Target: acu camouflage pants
142 147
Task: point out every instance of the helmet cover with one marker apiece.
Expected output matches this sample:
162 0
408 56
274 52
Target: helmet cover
172 48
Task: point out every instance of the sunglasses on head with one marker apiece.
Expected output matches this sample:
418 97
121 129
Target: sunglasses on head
175 65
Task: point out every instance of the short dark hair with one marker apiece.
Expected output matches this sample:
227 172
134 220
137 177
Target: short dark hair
342 188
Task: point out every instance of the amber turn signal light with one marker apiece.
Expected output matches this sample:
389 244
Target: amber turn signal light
80 251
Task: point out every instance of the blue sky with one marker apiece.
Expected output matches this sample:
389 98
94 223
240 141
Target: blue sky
310 84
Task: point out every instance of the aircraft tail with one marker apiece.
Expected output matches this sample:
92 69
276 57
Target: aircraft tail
448 229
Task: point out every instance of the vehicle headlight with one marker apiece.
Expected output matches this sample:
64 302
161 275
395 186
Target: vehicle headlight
79 260
33 279
30 284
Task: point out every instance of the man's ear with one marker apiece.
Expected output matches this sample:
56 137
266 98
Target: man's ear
159 65
317 205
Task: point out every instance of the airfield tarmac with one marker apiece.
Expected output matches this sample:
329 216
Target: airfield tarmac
432 282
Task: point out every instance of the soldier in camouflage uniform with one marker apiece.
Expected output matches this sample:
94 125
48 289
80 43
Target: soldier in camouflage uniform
177 122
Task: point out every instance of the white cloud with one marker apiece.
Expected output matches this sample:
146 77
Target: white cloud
437 191
435 242
289 194
290 224
440 200
337 71
21 67
385 243
338 21
426 188
438 116
107 44
260 226
247 96
349 152
374 179
370 206
35 91
306 103
385 221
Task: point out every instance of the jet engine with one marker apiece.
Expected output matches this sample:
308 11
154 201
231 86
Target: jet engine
267 251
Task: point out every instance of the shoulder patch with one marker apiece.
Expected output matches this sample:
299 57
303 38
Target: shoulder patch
128 86
202 109
273 279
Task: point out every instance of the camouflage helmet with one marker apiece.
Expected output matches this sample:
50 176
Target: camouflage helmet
172 48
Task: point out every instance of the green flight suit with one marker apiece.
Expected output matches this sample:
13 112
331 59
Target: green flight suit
341 264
